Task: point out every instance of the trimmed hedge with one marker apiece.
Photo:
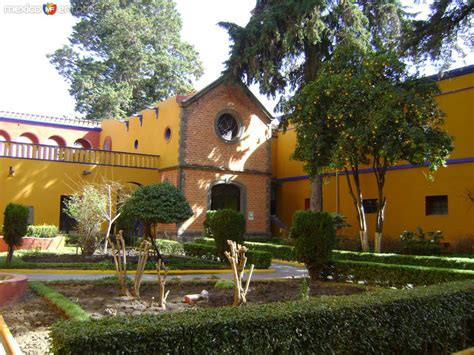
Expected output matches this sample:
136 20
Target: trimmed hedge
169 246
70 309
286 252
261 260
42 231
278 251
393 275
428 261
433 319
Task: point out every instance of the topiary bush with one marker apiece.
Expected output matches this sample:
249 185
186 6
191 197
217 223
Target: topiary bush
43 231
315 236
226 225
207 223
15 225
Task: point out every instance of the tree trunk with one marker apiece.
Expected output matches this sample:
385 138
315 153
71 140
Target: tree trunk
109 227
379 172
316 201
10 255
359 206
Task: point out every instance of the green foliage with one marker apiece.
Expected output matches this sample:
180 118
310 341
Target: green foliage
124 56
392 275
207 223
85 208
158 203
15 223
224 284
421 243
278 251
169 247
428 261
261 259
227 224
439 35
70 309
379 322
305 287
315 236
43 231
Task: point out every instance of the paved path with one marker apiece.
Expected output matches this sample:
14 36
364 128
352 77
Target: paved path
281 271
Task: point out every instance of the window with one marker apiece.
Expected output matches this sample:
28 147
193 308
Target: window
227 127
167 134
370 205
135 145
436 205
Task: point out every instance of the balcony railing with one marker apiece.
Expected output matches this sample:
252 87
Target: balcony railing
77 155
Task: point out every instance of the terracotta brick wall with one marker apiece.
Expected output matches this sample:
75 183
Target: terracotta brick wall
196 187
204 147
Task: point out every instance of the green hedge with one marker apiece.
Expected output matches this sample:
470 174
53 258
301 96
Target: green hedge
261 260
169 246
393 275
43 231
433 319
286 252
282 252
429 261
70 309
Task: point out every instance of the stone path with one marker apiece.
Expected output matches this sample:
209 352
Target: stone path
281 271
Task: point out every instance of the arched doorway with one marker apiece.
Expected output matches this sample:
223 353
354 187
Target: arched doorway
226 196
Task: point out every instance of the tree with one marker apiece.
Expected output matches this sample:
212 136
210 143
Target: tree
158 203
85 207
437 36
365 110
285 43
125 55
112 197
15 225
315 235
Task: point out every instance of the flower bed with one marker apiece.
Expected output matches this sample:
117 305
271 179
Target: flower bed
36 243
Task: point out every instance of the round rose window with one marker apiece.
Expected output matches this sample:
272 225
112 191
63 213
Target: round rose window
227 127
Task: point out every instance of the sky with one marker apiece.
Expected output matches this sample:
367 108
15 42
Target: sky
30 84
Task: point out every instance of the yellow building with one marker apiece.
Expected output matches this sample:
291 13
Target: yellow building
217 146
412 200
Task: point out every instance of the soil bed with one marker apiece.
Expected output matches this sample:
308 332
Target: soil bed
103 299
29 320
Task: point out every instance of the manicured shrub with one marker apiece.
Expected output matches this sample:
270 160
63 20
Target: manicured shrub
392 275
277 251
207 224
226 225
433 319
43 231
169 246
421 243
157 203
428 261
261 259
15 223
315 236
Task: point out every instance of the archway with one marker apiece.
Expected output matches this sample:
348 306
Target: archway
82 143
4 136
226 196
56 141
27 138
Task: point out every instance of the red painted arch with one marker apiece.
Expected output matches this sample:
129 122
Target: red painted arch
31 136
60 141
4 134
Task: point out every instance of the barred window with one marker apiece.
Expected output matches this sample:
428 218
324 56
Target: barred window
436 205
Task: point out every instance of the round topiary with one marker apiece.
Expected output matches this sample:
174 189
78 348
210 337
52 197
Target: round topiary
315 235
158 203
207 223
226 225
15 225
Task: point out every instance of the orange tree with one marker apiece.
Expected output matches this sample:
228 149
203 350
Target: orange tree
363 109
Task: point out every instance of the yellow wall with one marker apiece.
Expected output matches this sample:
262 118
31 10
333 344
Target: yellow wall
405 189
149 134
41 183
